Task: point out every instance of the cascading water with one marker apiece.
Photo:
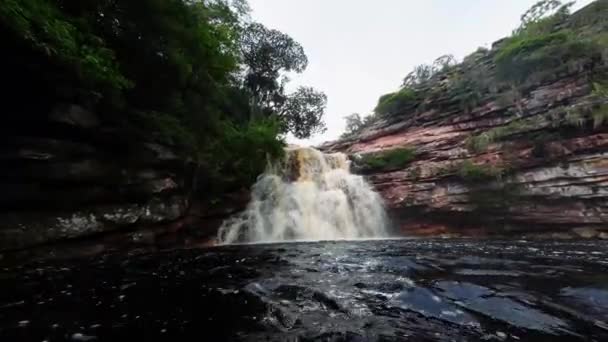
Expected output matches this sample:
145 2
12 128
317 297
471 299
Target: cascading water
310 196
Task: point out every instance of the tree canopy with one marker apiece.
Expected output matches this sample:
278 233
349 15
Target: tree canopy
266 53
267 56
188 73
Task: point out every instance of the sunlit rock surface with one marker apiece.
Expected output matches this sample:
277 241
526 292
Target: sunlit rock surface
434 290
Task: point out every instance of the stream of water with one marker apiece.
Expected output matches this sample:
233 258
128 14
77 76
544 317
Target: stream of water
381 290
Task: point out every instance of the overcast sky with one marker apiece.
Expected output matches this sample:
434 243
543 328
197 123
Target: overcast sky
361 49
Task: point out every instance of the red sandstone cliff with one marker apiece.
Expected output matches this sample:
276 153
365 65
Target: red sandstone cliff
530 160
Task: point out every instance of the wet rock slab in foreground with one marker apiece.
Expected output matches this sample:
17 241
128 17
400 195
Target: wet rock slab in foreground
460 290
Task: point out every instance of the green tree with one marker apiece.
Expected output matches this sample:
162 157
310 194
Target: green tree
166 70
423 73
392 103
542 9
354 124
267 56
302 113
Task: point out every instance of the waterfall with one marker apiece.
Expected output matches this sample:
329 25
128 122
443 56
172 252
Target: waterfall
308 196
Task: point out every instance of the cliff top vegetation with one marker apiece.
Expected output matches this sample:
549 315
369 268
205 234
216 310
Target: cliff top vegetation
550 43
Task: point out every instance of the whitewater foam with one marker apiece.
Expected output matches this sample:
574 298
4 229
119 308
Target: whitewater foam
308 196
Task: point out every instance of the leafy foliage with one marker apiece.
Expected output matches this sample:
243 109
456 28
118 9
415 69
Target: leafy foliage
600 112
242 152
544 47
600 91
424 73
467 90
267 55
302 113
388 160
540 57
480 142
354 124
476 55
166 129
197 75
391 103
474 173
45 29
575 117
600 116
532 19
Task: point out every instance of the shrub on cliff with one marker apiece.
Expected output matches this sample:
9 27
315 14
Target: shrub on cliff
391 103
415 87
480 142
474 173
599 113
550 43
355 124
467 90
388 160
537 58
544 46
241 153
424 73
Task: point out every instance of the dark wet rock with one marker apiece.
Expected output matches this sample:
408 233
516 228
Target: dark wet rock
22 229
428 304
595 300
495 306
70 175
162 153
74 115
360 291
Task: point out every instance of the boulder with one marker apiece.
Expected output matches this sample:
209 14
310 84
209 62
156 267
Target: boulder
74 115
25 229
586 232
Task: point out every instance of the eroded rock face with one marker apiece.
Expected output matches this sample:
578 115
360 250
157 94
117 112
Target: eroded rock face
23 229
74 115
74 176
71 177
553 176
